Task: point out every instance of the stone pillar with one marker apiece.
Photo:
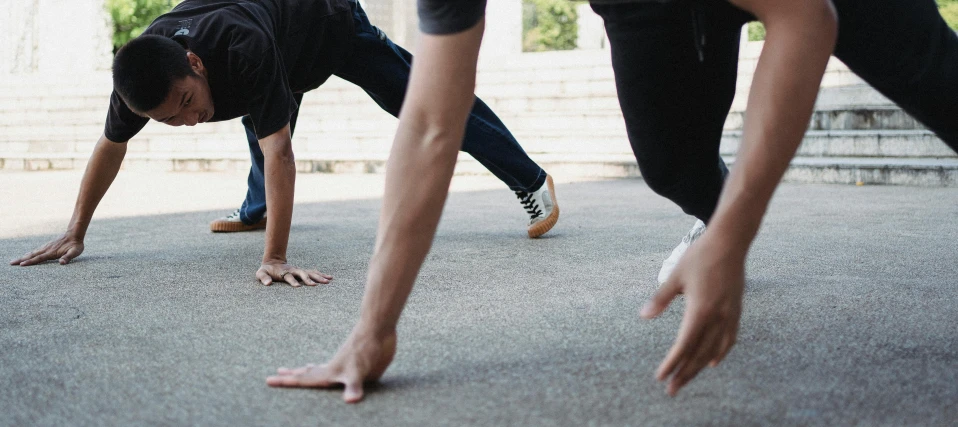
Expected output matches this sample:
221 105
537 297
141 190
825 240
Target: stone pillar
19 36
411 18
743 41
591 33
74 37
503 34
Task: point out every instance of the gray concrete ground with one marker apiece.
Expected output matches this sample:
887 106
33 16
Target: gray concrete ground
850 313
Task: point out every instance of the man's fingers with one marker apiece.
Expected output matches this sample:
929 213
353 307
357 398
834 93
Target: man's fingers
700 356
728 341
307 377
37 259
264 277
300 371
320 277
690 332
291 279
675 357
354 390
24 258
304 276
285 381
660 301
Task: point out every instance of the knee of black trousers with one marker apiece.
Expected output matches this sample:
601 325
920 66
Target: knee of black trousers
694 188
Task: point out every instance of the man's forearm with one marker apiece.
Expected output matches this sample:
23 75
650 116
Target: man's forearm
421 164
417 182
280 180
100 172
797 47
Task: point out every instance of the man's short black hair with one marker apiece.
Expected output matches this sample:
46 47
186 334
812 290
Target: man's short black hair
145 68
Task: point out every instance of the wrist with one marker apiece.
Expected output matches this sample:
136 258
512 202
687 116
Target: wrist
732 242
374 329
75 232
273 260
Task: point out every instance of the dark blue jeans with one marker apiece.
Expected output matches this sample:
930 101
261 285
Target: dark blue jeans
676 64
381 68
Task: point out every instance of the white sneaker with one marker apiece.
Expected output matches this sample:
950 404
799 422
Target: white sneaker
669 264
542 207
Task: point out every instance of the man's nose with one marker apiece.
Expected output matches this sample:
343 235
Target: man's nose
192 119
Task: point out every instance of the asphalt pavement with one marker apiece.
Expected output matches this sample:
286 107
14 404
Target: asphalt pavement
850 310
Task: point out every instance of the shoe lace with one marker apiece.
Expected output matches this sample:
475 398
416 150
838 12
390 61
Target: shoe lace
529 203
234 215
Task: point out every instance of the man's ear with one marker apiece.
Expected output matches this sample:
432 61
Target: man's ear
196 63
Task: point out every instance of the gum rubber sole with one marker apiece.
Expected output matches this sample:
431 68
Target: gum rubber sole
543 227
224 226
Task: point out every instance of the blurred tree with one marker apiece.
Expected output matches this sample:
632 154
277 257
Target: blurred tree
756 31
131 17
948 9
549 25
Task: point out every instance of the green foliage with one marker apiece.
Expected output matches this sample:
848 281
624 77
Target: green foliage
949 10
756 31
131 17
549 25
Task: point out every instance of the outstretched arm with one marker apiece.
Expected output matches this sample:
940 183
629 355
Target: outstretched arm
800 38
431 127
100 172
280 174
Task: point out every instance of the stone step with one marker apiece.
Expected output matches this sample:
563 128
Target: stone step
841 143
927 172
848 118
320 105
851 96
23 123
884 144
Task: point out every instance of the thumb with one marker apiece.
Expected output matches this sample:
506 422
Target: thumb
661 300
66 258
354 391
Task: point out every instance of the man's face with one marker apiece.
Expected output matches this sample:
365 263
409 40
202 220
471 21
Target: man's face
189 101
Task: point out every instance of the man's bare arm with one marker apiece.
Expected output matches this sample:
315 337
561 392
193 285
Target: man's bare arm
280 179
431 127
800 38
104 164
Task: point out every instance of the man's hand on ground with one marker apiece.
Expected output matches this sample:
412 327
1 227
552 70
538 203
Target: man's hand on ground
66 248
282 272
713 281
362 359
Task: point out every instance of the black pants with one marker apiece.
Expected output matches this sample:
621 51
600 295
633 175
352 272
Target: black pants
676 63
382 68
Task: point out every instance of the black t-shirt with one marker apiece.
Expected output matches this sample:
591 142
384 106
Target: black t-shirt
454 16
257 53
449 16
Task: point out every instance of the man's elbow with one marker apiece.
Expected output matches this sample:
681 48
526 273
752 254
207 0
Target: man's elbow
105 145
284 157
824 18
813 23
438 134
817 18
831 20
278 151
